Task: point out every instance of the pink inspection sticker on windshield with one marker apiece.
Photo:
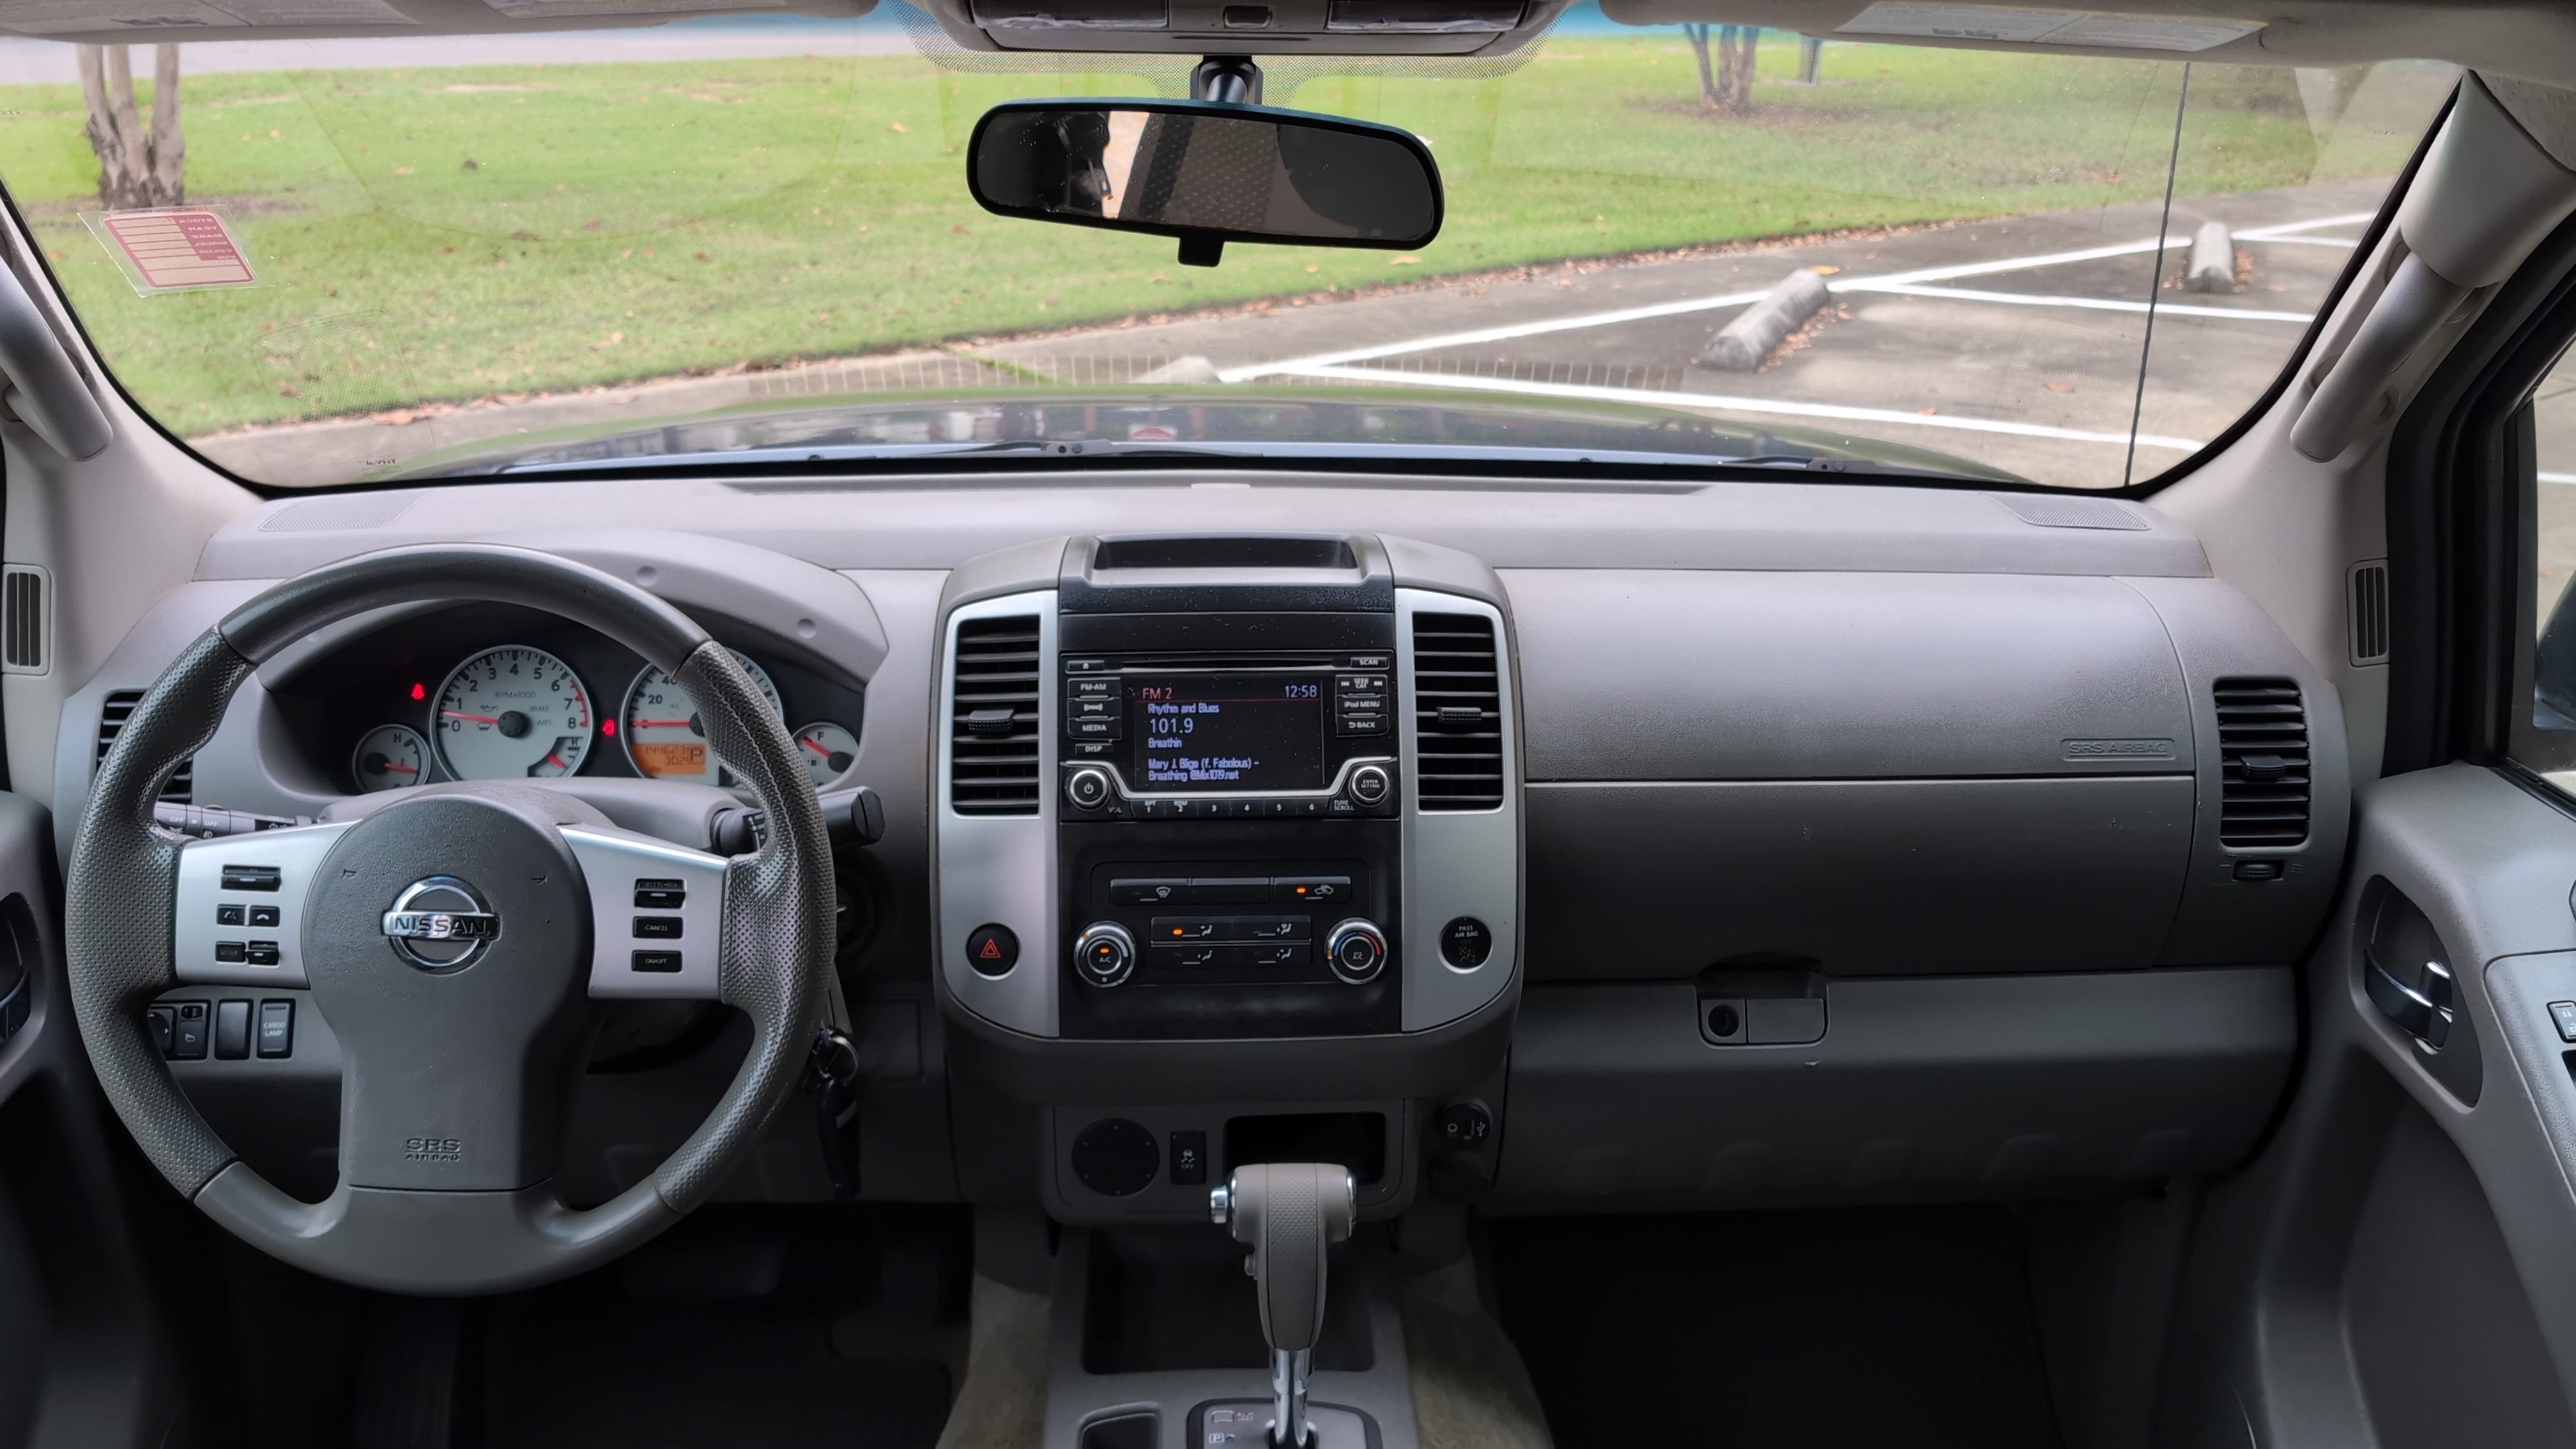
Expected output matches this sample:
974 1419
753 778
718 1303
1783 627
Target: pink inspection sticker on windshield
172 247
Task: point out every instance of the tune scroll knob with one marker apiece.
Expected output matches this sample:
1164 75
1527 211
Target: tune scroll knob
1371 784
1104 953
1088 787
1356 950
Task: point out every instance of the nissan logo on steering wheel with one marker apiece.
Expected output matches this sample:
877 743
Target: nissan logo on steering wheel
440 924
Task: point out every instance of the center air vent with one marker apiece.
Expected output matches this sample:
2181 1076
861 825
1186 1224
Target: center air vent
181 789
2263 754
993 725
1457 712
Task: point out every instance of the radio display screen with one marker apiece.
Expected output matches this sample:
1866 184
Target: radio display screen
1237 732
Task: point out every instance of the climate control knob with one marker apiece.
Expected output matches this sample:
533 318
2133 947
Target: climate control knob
1104 953
1356 950
1087 788
1371 784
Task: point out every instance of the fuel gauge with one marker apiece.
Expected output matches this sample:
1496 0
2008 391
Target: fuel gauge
389 757
828 751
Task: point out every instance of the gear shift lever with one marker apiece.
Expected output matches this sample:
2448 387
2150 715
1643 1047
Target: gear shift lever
1288 1213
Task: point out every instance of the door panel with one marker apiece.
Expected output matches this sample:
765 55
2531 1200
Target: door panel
2460 1241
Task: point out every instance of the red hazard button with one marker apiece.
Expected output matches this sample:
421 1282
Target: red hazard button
992 950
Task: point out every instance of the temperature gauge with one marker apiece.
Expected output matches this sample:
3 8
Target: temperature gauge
828 751
389 757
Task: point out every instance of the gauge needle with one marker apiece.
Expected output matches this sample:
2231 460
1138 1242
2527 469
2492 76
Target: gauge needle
657 724
476 718
818 749
558 764
406 769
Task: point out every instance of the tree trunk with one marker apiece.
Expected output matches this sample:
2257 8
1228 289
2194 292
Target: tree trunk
1738 84
136 168
1698 37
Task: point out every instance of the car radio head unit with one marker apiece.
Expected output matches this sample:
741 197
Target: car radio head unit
1181 736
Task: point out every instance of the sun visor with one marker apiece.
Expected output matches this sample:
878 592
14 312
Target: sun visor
126 22
1247 27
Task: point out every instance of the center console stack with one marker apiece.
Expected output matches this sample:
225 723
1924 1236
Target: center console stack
1227 820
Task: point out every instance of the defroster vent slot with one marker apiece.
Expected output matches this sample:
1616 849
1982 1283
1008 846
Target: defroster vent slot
1457 713
182 786
993 757
2263 754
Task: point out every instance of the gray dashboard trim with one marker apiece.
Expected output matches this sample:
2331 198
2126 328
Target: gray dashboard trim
1741 676
895 522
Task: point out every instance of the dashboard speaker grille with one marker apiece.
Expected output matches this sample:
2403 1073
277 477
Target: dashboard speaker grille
24 628
181 790
1457 713
2370 612
2263 758
993 756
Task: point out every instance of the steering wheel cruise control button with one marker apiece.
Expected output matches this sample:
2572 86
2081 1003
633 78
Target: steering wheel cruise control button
992 950
1356 950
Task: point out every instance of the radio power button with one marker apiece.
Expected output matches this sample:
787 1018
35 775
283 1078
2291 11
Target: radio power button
1087 788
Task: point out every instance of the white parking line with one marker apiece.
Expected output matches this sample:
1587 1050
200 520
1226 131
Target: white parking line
1768 406
2346 243
1890 282
2558 477
2096 304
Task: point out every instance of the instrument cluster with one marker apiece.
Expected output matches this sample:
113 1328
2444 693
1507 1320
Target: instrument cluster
497 692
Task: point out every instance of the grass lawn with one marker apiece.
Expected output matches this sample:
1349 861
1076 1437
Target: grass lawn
455 233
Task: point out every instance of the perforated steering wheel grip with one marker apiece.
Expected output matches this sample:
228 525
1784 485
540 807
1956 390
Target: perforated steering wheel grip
457 1068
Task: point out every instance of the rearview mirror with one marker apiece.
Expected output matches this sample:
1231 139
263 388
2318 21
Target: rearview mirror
1207 173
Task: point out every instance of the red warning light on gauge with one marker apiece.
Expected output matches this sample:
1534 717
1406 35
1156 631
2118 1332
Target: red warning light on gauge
420 691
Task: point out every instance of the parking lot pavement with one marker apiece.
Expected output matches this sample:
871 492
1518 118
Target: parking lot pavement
2014 342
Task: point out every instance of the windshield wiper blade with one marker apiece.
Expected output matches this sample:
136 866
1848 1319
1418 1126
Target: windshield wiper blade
874 452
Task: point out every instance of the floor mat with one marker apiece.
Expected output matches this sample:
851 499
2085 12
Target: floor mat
1817 1330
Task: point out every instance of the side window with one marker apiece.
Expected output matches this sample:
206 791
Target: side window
2545 739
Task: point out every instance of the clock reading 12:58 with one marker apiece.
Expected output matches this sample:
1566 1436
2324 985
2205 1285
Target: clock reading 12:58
512 713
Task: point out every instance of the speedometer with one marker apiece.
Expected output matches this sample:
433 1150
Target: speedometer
666 737
512 713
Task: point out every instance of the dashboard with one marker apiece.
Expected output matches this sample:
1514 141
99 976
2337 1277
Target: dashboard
1566 848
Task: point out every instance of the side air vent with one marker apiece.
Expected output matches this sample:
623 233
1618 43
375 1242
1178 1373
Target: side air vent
25 625
111 719
2369 601
1457 712
993 729
2263 756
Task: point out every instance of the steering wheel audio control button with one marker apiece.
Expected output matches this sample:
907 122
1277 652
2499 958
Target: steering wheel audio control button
992 950
1356 950
1371 784
1087 788
1105 954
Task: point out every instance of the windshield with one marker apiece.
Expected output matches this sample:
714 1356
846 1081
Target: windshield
751 240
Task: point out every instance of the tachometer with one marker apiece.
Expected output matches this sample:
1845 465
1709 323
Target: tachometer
512 713
389 757
665 737
829 751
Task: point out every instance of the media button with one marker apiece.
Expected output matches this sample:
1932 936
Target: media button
1091 729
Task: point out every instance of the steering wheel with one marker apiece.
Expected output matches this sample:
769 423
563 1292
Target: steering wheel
454 940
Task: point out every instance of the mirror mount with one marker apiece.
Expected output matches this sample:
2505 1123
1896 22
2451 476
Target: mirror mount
1231 79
